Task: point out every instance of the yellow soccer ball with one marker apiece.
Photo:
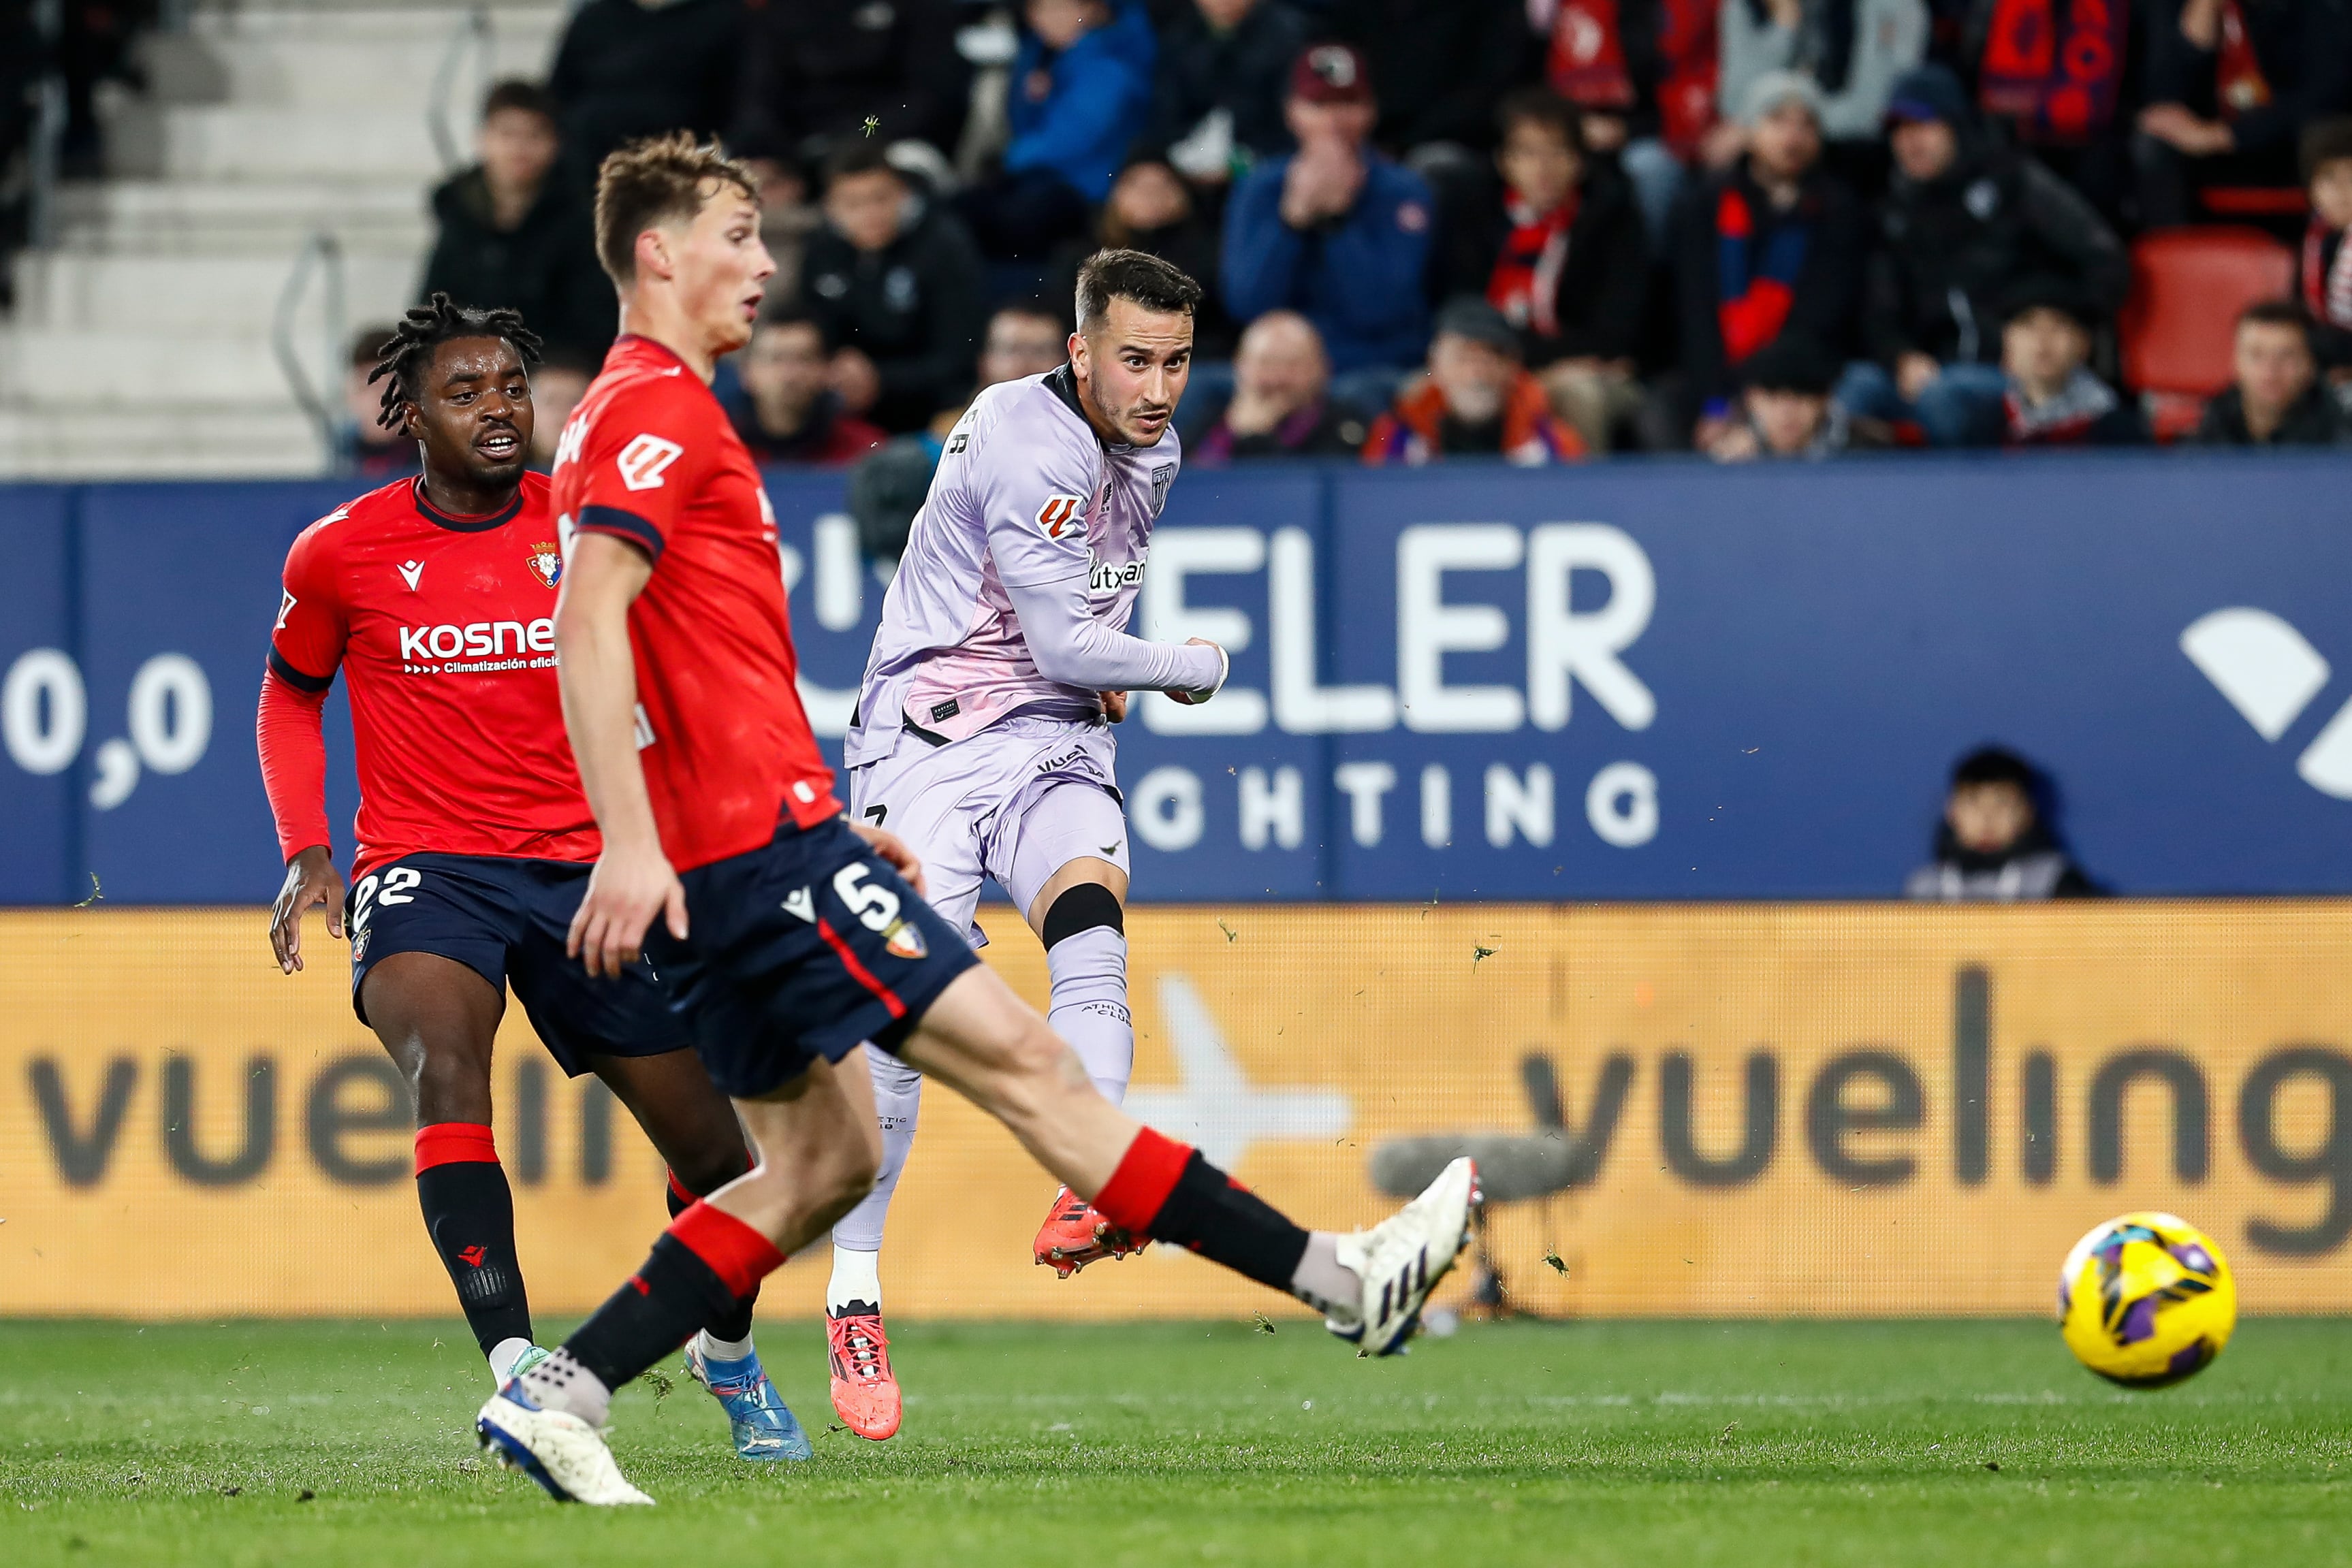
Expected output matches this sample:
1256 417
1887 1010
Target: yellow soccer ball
2145 1301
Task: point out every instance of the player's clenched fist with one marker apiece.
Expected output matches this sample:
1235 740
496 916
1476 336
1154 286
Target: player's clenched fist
627 890
1196 697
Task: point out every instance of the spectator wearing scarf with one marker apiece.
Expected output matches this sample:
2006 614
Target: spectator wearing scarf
1773 243
2230 86
2051 399
2328 241
1557 247
1642 74
1476 399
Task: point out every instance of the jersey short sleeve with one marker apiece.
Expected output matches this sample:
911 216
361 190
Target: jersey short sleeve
306 646
1036 485
640 456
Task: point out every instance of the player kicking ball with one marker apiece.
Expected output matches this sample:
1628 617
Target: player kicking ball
436 596
982 739
789 934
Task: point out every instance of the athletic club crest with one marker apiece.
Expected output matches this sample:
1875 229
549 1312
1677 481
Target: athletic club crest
546 565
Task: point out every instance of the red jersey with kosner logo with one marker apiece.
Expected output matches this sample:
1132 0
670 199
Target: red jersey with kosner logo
444 627
729 757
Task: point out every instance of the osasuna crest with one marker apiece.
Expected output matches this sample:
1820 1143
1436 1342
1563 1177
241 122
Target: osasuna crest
904 940
545 563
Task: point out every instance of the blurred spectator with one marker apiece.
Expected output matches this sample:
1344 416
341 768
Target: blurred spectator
2277 397
790 214
1992 846
783 408
1785 407
1436 67
514 235
2051 399
2230 85
1336 232
1559 250
1152 210
1477 399
1080 90
1962 223
1643 75
558 382
813 71
2058 77
95 39
628 68
1026 339
1282 404
897 291
363 448
1773 243
2326 258
1216 93
1850 50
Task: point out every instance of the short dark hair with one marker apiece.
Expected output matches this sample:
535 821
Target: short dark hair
653 182
514 93
400 363
2325 142
1995 765
2278 313
1790 362
1132 275
1541 106
858 156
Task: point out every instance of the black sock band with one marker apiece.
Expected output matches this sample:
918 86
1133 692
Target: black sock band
734 1325
672 1295
1210 1213
469 1214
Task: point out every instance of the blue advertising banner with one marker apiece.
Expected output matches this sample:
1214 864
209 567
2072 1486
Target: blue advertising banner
1637 681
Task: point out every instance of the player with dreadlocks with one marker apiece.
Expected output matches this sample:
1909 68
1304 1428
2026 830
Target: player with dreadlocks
436 595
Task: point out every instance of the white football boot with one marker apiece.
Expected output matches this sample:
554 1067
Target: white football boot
554 1448
1402 1257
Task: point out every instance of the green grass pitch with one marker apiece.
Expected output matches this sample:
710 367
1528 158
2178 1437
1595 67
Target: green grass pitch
1587 1443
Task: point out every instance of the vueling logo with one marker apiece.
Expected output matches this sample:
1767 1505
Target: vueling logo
2269 672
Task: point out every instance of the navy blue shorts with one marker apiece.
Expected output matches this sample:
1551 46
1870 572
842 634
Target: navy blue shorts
801 949
507 920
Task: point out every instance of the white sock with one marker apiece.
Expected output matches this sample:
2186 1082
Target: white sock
856 1278
560 1383
898 1103
1325 1283
716 1349
503 1356
1088 1005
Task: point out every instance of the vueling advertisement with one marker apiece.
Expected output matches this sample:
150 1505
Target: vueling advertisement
1751 1110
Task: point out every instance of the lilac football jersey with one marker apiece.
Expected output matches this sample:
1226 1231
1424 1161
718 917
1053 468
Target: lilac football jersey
1030 515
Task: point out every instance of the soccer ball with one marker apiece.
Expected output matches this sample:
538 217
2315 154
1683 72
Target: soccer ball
2145 1301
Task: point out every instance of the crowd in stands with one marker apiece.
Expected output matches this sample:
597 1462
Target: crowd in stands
1548 230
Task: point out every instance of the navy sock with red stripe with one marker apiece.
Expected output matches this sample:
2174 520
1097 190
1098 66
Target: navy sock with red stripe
734 1325
705 1263
470 1214
1164 1189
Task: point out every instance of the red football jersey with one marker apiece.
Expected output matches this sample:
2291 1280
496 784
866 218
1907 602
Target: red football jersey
446 630
650 457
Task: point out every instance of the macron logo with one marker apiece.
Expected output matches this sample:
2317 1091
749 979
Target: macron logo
645 460
1215 1108
2269 672
410 570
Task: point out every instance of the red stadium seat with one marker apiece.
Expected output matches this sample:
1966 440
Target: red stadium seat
2187 287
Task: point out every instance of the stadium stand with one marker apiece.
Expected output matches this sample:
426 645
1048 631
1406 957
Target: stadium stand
2187 287
264 197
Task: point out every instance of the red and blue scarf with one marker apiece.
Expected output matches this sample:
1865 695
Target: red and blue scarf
1753 294
2056 78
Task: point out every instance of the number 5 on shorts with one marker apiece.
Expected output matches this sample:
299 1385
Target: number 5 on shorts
876 907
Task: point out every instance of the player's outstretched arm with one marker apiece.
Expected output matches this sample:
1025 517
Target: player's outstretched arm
633 881
1075 649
